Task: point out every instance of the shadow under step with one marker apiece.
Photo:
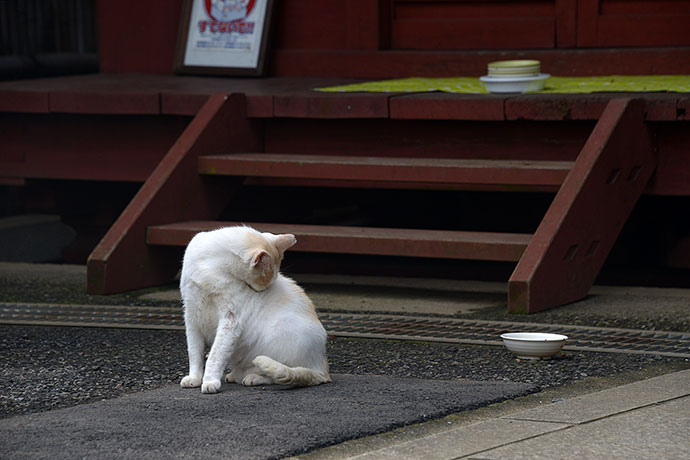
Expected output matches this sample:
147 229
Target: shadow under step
367 240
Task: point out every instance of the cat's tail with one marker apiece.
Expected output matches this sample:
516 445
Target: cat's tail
284 375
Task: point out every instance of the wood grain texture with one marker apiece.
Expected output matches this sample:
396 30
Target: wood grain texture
85 147
367 240
588 212
174 191
435 106
391 169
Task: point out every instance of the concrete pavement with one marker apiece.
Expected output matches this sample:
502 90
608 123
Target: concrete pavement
648 419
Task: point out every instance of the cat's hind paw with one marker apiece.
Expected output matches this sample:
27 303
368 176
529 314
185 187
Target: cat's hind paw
251 380
210 387
267 365
190 382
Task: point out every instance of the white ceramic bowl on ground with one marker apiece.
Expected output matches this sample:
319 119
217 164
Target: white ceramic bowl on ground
533 345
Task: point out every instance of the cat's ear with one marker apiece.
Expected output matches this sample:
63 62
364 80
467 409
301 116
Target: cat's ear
285 242
260 258
262 270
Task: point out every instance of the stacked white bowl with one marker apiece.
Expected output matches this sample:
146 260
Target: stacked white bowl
519 76
533 345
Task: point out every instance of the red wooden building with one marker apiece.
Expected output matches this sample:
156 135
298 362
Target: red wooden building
544 181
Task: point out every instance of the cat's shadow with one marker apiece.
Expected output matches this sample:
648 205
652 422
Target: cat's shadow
237 388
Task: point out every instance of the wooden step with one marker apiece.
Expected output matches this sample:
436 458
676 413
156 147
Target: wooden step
388 169
367 240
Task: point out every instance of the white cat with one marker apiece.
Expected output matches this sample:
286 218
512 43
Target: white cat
254 319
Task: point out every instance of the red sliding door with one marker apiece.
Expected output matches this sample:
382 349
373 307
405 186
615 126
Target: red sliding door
614 23
465 24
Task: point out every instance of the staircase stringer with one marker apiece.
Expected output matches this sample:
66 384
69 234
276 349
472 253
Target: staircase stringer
587 214
173 192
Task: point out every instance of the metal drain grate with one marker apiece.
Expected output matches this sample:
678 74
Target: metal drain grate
92 316
367 326
488 333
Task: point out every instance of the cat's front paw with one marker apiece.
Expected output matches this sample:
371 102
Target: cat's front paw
210 387
190 381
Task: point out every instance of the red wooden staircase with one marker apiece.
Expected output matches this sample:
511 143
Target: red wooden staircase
596 174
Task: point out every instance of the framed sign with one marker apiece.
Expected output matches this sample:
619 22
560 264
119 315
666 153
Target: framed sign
223 37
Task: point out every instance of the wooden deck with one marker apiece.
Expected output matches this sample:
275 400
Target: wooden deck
134 94
193 141
70 114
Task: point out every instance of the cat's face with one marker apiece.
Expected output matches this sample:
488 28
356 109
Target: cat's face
265 251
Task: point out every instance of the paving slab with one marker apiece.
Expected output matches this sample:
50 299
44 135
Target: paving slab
654 432
463 441
241 422
614 401
645 419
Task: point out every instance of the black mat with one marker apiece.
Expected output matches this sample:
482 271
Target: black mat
242 423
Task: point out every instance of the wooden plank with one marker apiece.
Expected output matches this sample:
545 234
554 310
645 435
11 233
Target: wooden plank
150 94
370 184
581 225
103 94
173 192
435 106
114 103
392 169
661 107
182 104
367 240
658 107
331 105
174 103
85 147
534 141
556 107
672 175
259 106
185 95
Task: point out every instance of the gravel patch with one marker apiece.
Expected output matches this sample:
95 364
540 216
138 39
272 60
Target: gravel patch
49 367
627 312
44 283
46 367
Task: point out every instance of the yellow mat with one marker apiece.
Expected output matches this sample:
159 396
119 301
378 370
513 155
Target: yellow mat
563 85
